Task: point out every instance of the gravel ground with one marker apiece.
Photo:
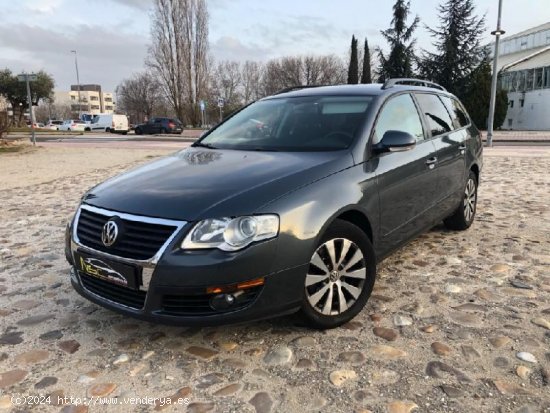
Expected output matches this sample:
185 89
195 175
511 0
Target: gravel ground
458 322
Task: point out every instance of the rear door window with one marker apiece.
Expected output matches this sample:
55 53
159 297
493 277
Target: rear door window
399 113
439 120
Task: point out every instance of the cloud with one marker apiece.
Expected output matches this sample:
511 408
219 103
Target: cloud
231 48
43 6
136 4
105 55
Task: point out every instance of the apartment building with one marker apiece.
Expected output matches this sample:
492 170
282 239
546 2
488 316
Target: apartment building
92 99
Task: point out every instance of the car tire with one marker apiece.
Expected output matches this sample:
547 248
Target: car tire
125 133
163 131
463 217
340 277
137 131
107 130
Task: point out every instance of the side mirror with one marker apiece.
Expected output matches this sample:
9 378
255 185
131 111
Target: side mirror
395 141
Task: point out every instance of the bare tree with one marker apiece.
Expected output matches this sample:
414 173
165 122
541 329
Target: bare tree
139 96
48 109
226 82
251 81
302 70
179 53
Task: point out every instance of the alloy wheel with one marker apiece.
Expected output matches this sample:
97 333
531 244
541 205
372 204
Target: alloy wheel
336 276
470 197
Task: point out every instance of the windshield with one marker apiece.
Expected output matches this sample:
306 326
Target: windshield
312 123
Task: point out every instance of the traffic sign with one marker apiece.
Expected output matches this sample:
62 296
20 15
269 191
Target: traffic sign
202 105
31 77
221 102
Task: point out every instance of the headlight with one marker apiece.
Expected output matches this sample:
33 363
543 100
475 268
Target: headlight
231 234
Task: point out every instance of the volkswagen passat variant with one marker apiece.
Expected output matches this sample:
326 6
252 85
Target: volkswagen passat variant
286 206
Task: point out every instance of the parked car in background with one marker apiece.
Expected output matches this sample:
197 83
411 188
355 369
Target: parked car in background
160 125
286 206
53 124
109 122
72 125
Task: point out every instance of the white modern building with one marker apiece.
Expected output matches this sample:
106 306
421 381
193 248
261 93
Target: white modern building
524 69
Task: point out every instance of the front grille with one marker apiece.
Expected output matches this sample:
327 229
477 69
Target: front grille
199 304
112 292
137 240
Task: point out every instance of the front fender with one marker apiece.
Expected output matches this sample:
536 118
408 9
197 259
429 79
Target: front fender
307 212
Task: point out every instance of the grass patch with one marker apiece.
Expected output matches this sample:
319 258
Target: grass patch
15 147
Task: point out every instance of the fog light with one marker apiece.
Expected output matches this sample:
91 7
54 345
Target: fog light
221 302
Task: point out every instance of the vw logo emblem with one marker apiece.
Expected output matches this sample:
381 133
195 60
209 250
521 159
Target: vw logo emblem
109 233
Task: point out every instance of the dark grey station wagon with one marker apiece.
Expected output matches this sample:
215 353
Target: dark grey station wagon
286 206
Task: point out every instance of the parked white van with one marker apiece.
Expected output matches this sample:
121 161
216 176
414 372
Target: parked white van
109 122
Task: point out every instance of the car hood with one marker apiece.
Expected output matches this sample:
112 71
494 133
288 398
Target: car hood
198 183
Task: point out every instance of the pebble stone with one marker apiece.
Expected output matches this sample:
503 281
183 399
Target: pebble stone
46 382
228 390
440 348
401 321
401 407
525 356
69 346
262 402
523 372
387 352
541 322
11 377
123 358
101 389
202 352
387 334
278 356
339 377
499 341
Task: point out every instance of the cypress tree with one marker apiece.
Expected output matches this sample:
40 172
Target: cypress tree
478 94
366 76
457 44
399 61
353 71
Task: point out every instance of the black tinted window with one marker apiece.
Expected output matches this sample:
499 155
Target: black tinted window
399 113
436 115
457 112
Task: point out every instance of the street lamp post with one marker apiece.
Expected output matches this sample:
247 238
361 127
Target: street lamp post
77 81
497 33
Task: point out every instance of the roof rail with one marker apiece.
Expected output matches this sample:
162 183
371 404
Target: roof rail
413 82
292 88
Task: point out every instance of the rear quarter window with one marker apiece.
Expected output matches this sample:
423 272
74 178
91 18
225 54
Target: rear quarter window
439 120
457 112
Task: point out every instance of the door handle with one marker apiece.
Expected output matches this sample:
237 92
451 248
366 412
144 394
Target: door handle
431 162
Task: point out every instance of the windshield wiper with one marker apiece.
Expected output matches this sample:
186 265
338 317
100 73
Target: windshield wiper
204 145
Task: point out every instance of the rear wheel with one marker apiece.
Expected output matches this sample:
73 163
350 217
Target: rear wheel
107 130
465 213
340 277
163 131
138 131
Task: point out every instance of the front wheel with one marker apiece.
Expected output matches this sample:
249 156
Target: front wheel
464 214
340 277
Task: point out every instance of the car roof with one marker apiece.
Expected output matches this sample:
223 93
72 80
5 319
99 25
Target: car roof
372 89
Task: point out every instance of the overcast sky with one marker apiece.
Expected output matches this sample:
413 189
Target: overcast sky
112 36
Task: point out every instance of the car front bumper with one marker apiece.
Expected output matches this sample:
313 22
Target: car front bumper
175 286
